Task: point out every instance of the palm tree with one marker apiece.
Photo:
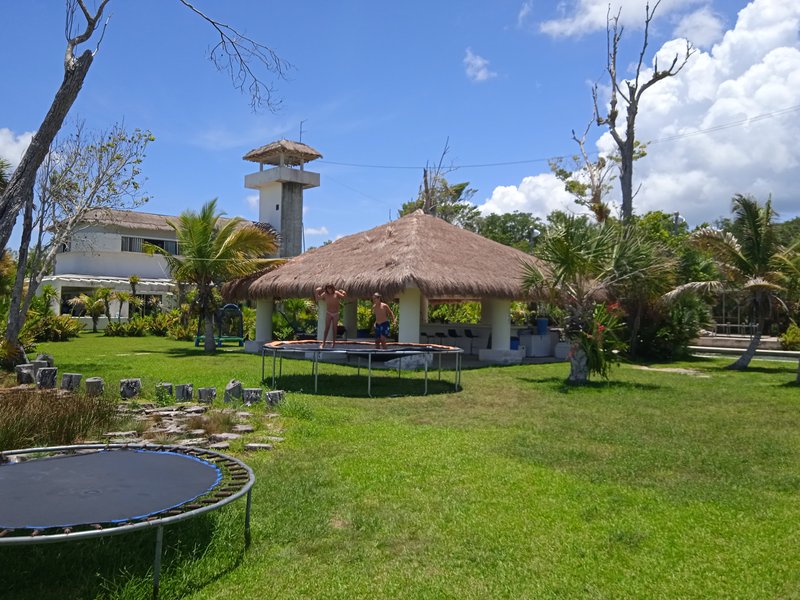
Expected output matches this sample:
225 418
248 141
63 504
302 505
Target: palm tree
106 295
588 264
133 281
751 262
213 252
5 173
93 304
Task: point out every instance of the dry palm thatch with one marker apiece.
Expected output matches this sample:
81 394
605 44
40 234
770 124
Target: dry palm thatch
415 251
284 152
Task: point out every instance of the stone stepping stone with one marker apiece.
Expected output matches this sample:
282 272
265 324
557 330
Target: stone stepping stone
121 434
219 446
256 447
224 437
243 428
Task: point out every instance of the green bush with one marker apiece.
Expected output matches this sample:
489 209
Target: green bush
667 331
158 324
136 327
791 339
182 333
249 323
51 328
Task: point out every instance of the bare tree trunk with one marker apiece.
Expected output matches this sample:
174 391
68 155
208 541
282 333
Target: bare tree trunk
16 316
578 366
209 342
20 188
635 327
743 361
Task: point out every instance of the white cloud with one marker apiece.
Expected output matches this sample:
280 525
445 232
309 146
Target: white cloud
702 27
13 146
538 194
728 123
525 12
585 16
316 230
252 201
477 67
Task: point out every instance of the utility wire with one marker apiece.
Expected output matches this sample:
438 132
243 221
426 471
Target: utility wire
678 136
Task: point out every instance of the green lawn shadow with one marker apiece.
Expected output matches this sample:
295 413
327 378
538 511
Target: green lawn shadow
355 386
103 567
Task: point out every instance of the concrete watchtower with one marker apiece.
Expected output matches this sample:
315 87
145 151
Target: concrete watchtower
280 205
281 189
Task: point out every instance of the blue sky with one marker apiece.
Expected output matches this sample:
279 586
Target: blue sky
383 85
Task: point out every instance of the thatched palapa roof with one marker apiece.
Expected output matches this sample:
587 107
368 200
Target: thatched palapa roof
293 153
133 219
417 250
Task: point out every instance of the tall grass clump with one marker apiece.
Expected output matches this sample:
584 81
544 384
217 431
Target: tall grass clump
49 418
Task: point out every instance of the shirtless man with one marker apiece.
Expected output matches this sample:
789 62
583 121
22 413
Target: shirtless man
382 315
332 298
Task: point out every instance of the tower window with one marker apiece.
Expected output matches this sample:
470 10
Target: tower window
277 207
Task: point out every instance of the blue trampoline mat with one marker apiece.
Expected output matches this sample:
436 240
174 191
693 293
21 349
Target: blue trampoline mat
108 486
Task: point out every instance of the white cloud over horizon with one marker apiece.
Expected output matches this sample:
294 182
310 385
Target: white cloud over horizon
580 17
477 67
316 230
727 124
13 145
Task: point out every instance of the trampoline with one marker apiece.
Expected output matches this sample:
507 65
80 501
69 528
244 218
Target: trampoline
397 355
94 490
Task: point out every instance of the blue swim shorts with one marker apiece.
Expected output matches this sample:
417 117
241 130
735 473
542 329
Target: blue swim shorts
382 329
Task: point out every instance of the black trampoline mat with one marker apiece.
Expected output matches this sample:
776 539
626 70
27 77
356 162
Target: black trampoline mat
101 487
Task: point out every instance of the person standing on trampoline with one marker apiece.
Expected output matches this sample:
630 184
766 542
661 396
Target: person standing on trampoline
382 315
332 298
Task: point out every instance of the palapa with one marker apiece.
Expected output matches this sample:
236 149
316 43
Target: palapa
443 261
293 153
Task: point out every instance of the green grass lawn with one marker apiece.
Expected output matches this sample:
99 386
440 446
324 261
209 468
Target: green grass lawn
654 485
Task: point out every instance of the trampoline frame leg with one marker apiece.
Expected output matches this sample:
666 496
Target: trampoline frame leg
247 519
157 561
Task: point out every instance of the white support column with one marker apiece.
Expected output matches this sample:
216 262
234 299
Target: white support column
501 324
351 318
55 303
486 312
264 309
408 319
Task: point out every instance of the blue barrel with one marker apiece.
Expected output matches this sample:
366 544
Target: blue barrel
541 326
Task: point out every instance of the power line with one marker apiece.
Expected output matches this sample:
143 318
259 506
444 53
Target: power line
678 136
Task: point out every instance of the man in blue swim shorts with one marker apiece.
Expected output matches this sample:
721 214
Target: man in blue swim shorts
382 315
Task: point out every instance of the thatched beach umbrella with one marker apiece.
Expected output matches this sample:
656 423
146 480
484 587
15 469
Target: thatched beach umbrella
417 255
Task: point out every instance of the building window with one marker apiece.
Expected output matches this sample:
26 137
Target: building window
136 244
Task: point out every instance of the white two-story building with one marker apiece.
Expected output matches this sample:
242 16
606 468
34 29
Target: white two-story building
106 250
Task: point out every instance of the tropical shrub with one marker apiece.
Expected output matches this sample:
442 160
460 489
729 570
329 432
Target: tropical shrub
668 330
135 327
466 312
51 328
182 333
599 339
159 323
790 340
249 323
